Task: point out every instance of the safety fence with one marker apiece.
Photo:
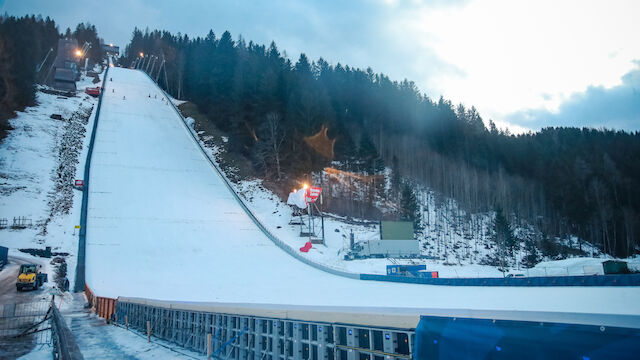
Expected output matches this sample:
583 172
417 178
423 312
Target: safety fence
594 280
262 331
103 306
29 325
227 335
64 344
540 271
82 238
27 318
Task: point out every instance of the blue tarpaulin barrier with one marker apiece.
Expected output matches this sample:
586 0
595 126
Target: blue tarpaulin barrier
462 338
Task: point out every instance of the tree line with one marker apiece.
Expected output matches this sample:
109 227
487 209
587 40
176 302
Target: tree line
293 118
24 45
24 42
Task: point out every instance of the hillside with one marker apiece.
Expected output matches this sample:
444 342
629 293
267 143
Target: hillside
288 120
39 160
460 243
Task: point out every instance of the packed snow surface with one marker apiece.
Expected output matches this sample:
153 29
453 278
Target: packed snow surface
163 225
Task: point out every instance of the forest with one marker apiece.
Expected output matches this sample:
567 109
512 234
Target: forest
295 118
24 45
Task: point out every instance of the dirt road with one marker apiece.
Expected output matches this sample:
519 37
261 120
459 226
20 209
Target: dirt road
8 276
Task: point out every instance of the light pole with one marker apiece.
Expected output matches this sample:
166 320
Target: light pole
79 54
39 67
153 65
140 60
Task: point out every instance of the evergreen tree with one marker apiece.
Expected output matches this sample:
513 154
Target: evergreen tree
503 238
409 204
531 258
371 162
24 43
87 33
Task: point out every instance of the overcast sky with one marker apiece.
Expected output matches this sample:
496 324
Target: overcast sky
525 64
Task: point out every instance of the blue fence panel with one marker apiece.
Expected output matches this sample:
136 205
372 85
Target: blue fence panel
593 280
82 238
462 338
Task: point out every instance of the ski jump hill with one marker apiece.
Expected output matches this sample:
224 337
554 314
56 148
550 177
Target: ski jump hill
162 224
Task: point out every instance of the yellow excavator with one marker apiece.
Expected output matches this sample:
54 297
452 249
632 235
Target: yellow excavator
30 277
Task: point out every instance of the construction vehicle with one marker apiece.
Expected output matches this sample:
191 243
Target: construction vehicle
30 277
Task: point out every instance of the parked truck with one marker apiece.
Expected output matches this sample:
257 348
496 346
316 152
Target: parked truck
30 277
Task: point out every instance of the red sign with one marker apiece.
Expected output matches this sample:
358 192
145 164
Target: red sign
312 194
79 183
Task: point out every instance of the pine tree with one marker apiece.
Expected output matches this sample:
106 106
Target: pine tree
368 154
409 204
531 258
503 238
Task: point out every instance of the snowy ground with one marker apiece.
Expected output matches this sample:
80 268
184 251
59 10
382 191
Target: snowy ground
163 225
98 340
456 243
30 186
276 215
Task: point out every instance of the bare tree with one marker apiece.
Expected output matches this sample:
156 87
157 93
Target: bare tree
269 147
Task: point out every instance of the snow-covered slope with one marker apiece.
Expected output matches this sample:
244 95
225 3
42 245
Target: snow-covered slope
162 224
39 159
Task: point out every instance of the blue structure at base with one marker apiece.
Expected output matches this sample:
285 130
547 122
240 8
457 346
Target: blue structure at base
462 338
594 280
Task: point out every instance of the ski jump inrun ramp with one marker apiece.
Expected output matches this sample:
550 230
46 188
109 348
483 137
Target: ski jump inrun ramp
163 225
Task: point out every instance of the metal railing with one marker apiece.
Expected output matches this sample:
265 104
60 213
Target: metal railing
24 326
64 345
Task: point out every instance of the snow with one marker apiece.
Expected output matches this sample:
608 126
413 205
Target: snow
163 225
97 340
40 352
275 215
456 252
29 159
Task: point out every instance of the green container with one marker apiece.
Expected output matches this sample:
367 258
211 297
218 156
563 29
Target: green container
615 267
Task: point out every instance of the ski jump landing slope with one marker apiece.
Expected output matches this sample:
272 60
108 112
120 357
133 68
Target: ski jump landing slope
163 225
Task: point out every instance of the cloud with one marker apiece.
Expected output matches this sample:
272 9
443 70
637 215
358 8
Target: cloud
501 56
358 33
528 54
617 107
